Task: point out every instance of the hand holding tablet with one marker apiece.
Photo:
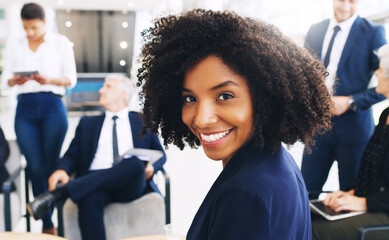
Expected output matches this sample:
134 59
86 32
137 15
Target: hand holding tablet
26 73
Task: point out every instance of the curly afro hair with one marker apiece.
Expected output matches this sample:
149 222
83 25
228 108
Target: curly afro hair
290 99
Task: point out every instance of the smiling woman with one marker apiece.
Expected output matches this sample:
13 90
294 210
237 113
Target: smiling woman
238 88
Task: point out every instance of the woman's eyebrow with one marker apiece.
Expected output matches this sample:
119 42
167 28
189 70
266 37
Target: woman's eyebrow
185 90
224 84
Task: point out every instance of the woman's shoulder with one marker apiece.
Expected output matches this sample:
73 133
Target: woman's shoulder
267 175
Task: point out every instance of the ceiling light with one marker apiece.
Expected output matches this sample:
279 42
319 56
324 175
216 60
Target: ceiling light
68 24
123 44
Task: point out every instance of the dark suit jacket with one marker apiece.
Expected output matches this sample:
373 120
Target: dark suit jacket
83 147
356 67
4 153
257 196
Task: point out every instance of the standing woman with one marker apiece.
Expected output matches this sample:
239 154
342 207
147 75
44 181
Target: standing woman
238 88
40 121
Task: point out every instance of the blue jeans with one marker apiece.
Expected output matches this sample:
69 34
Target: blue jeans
40 127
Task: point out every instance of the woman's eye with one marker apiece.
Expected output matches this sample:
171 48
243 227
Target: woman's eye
224 96
188 99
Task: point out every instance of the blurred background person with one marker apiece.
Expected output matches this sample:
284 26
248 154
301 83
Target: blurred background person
40 120
346 44
383 72
369 193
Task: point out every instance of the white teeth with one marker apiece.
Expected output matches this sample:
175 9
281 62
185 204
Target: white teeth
213 137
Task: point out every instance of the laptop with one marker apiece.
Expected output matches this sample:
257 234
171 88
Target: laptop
318 207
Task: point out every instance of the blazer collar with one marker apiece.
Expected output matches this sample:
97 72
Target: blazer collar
135 130
98 126
321 33
355 32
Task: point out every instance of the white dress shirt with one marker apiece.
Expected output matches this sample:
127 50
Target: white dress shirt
104 154
53 58
337 47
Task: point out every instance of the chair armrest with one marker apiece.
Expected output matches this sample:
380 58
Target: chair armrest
167 194
7 185
7 189
364 229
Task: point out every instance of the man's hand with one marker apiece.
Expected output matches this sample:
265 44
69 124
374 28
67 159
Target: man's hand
58 176
149 170
341 201
341 105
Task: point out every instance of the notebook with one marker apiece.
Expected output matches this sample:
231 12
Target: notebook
147 155
318 207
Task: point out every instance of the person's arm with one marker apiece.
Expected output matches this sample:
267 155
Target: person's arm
69 161
366 98
4 148
69 64
42 79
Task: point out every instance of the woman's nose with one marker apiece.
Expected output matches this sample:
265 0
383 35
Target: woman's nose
205 115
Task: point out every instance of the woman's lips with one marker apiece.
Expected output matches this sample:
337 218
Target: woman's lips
214 139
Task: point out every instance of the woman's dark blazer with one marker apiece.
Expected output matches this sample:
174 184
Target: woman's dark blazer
379 201
257 196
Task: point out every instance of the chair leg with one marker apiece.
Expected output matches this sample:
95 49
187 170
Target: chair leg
27 193
60 218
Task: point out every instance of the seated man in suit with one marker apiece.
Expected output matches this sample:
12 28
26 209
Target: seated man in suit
92 156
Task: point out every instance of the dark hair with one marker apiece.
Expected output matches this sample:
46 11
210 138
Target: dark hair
32 11
290 99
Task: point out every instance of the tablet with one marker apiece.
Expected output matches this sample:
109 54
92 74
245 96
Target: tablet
147 155
328 213
26 73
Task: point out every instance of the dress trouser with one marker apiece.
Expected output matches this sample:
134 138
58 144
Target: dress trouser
347 229
123 182
40 127
316 166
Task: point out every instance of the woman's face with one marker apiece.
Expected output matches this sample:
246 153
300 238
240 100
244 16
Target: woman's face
35 28
217 108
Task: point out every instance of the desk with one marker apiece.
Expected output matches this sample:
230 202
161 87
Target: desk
155 237
28 236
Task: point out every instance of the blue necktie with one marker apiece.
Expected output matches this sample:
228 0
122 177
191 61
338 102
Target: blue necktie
328 54
115 141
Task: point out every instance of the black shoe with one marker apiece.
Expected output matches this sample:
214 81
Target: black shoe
41 205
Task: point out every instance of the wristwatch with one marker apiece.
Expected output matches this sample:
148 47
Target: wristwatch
351 104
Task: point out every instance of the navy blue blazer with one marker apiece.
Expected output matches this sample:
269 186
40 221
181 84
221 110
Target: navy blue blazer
356 67
256 196
83 147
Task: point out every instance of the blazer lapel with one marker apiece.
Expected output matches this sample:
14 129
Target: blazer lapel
320 37
97 126
352 39
135 131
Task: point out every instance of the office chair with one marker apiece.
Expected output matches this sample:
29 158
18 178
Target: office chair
144 216
12 200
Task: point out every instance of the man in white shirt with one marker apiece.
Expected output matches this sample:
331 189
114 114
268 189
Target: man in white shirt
93 156
346 44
